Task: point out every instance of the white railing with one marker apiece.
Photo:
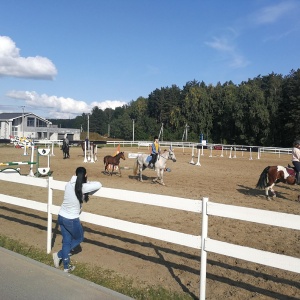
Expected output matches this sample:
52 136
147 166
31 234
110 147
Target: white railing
202 242
275 150
139 144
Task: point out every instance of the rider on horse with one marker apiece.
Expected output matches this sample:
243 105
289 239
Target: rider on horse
296 159
65 147
154 152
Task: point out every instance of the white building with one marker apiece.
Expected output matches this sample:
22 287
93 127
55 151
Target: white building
34 127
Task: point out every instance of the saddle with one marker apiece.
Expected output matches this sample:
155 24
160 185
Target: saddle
291 170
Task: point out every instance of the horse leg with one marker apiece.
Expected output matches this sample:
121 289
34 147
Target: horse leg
162 176
141 173
95 154
267 193
158 176
119 170
272 192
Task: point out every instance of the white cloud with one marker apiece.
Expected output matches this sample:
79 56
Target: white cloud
108 104
225 45
271 14
13 65
220 44
60 107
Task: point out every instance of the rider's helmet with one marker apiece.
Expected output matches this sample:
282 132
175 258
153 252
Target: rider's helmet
296 143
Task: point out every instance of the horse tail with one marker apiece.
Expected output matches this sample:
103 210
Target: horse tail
104 159
135 167
263 179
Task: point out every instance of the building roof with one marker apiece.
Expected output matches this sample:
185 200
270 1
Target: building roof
11 116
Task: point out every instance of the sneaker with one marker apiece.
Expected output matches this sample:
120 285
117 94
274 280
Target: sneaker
70 269
56 260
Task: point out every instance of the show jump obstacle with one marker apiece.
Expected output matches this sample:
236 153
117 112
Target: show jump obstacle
41 171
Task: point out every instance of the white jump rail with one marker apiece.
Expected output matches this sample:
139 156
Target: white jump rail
202 242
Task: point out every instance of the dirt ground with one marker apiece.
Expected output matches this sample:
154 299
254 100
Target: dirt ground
151 262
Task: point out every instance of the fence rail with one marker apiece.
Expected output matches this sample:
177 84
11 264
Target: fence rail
202 241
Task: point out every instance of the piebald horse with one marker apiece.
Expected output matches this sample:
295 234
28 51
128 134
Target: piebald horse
275 174
142 162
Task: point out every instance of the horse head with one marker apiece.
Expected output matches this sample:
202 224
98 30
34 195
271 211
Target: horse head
172 155
122 155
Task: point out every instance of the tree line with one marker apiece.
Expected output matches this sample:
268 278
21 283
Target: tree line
262 111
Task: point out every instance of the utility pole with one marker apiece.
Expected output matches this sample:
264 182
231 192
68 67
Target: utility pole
161 132
133 130
88 127
23 120
185 132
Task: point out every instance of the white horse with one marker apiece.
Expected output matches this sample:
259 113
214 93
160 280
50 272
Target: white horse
142 162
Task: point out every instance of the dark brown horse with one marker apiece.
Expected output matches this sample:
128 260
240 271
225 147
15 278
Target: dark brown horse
89 151
66 148
113 161
275 174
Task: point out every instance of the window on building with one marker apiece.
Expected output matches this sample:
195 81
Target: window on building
14 130
40 123
16 122
30 122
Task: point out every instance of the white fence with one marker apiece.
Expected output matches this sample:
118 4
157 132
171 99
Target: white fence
275 150
202 241
183 145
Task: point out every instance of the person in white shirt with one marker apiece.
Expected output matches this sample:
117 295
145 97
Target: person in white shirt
77 190
296 159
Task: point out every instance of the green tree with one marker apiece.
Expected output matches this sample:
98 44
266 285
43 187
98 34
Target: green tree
290 108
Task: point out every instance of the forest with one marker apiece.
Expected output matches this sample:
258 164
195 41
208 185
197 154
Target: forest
263 111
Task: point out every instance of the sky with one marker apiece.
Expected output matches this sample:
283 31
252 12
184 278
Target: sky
61 58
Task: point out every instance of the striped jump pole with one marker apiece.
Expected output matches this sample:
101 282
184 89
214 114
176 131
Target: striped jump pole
17 163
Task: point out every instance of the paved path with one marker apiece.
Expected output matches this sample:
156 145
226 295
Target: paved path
27 279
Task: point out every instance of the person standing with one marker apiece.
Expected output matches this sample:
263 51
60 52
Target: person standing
296 159
154 152
77 190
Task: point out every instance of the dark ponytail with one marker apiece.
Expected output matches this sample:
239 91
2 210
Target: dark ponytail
81 178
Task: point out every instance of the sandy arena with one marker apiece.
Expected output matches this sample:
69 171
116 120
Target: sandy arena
151 262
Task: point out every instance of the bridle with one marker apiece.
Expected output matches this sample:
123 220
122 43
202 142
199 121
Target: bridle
169 155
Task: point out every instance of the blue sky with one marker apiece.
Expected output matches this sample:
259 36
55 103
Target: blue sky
61 58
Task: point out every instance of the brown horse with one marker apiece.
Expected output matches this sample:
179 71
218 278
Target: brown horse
275 174
113 161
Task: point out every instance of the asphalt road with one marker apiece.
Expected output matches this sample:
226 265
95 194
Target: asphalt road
24 278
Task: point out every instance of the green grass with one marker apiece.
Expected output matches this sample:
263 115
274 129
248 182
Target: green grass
106 278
